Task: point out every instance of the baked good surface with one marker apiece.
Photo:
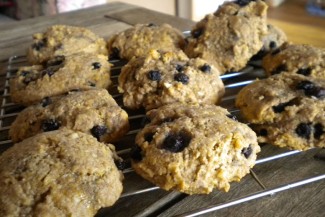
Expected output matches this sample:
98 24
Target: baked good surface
93 111
274 38
286 110
61 74
231 36
65 40
58 173
194 149
140 39
165 77
296 58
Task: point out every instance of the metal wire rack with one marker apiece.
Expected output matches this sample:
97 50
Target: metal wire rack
233 82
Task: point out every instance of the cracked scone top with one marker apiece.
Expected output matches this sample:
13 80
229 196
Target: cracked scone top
194 149
61 74
296 58
164 77
64 40
231 36
93 111
58 173
286 110
140 39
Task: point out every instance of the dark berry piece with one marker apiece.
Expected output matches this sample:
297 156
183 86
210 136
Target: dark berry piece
167 120
50 125
29 77
303 130
149 137
281 107
275 52
49 71
96 65
197 32
56 61
272 44
92 84
151 25
154 75
46 101
40 44
121 164
115 54
205 68
243 2
24 73
247 151
176 142
263 132
98 130
311 89
304 71
181 77
233 117
179 68
305 85
136 153
279 69
318 130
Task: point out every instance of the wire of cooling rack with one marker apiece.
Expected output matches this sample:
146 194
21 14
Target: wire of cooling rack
9 110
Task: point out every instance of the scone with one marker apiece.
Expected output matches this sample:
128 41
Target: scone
296 58
140 39
60 40
94 112
194 149
61 74
165 77
58 173
286 110
231 36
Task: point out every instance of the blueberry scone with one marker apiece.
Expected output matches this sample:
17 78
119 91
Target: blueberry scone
286 110
94 112
140 39
61 74
231 36
58 173
296 58
165 77
194 149
61 40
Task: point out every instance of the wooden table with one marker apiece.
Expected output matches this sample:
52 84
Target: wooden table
307 200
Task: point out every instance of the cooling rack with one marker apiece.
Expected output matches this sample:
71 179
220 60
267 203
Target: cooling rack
234 81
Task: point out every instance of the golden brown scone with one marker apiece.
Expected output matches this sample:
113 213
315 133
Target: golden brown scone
194 149
286 110
93 111
140 39
58 173
231 36
164 77
64 40
296 58
61 74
